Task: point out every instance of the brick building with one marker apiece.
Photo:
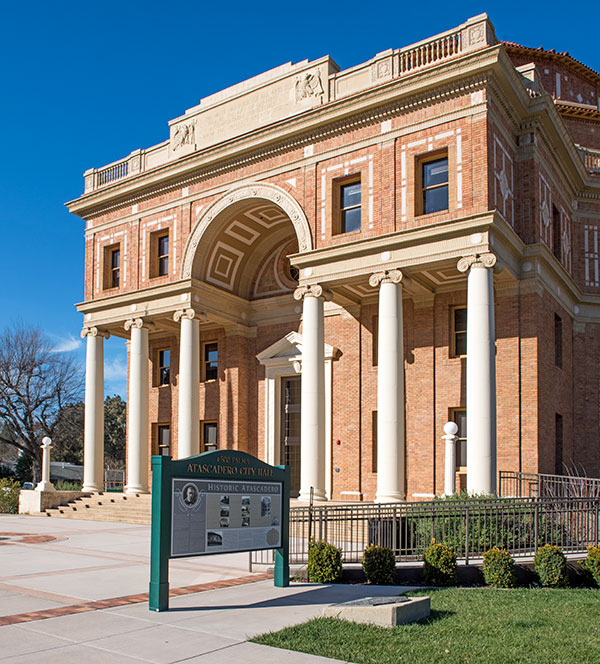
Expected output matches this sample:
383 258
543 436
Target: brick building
322 267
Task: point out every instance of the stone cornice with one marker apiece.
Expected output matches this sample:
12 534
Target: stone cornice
373 105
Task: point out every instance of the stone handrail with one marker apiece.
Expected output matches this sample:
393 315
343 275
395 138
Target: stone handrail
591 158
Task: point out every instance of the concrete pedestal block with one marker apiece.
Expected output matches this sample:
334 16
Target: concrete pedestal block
382 611
34 502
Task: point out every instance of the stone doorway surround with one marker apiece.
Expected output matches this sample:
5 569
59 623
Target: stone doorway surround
284 358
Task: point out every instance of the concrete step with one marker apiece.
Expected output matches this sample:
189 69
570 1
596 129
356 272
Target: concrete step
104 506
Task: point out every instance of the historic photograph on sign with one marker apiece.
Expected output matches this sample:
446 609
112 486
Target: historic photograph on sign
214 516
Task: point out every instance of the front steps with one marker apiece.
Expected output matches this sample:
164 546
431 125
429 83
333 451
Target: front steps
103 506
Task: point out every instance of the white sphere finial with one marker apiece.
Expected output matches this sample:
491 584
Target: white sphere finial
450 428
46 441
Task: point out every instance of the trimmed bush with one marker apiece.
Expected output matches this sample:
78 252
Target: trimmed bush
324 562
439 568
591 564
379 565
67 486
551 566
9 495
499 568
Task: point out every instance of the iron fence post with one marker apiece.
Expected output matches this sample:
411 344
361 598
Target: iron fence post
536 513
467 536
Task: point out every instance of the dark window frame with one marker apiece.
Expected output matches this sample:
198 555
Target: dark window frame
423 190
461 443
163 373
456 342
210 368
204 426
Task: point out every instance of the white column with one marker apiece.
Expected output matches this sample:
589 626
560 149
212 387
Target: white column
93 433
45 484
137 426
450 431
481 374
189 384
312 414
390 388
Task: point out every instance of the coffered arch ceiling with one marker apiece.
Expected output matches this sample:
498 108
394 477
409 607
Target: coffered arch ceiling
244 250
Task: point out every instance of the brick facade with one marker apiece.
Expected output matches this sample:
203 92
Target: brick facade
506 185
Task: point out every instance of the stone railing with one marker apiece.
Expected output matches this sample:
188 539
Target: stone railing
591 159
430 52
137 162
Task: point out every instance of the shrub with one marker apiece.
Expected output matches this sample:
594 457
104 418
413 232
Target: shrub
67 486
551 566
379 565
592 563
499 568
9 495
439 567
324 562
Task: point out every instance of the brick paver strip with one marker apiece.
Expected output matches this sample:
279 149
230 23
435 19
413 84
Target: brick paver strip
96 605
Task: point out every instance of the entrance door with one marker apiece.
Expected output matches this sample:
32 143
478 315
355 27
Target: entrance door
290 430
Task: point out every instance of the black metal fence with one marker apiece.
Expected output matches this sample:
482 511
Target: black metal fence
536 485
469 527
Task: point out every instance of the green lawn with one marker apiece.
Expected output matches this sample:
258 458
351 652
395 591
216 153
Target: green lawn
476 625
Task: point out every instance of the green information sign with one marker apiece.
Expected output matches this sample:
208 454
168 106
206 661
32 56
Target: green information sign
217 502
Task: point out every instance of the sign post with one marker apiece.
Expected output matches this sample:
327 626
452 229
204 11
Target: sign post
217 502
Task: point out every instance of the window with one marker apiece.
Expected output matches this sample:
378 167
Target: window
459 417
556 237
159 257
164 366
163 255
434 185
374 441
558 444
558 341
209 436
458 322
350 206
210 359
112 266
163 439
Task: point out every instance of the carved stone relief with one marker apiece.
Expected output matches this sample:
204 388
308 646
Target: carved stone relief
308 85
183 134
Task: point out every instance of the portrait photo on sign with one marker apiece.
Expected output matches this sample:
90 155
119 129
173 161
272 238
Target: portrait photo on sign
224 501
190 495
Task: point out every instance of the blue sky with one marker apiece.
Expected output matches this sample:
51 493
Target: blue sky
86 83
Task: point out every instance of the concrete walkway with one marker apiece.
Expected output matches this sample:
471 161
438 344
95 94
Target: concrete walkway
73 591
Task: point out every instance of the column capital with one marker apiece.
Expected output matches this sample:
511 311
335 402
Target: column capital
476 260
93 331
138 323
190 314
388 277
313 290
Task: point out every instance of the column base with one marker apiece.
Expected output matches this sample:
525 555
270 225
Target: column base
93 488
135 489
45 486
389 498
318 496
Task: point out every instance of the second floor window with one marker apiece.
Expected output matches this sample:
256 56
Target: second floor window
350 207
115 268
435 185
163 437
210 361
164 367
163 255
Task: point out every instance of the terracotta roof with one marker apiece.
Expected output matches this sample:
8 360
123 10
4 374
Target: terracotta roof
564 58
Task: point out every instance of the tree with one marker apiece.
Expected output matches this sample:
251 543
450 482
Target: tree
68 437
115 420
35 384
67 443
